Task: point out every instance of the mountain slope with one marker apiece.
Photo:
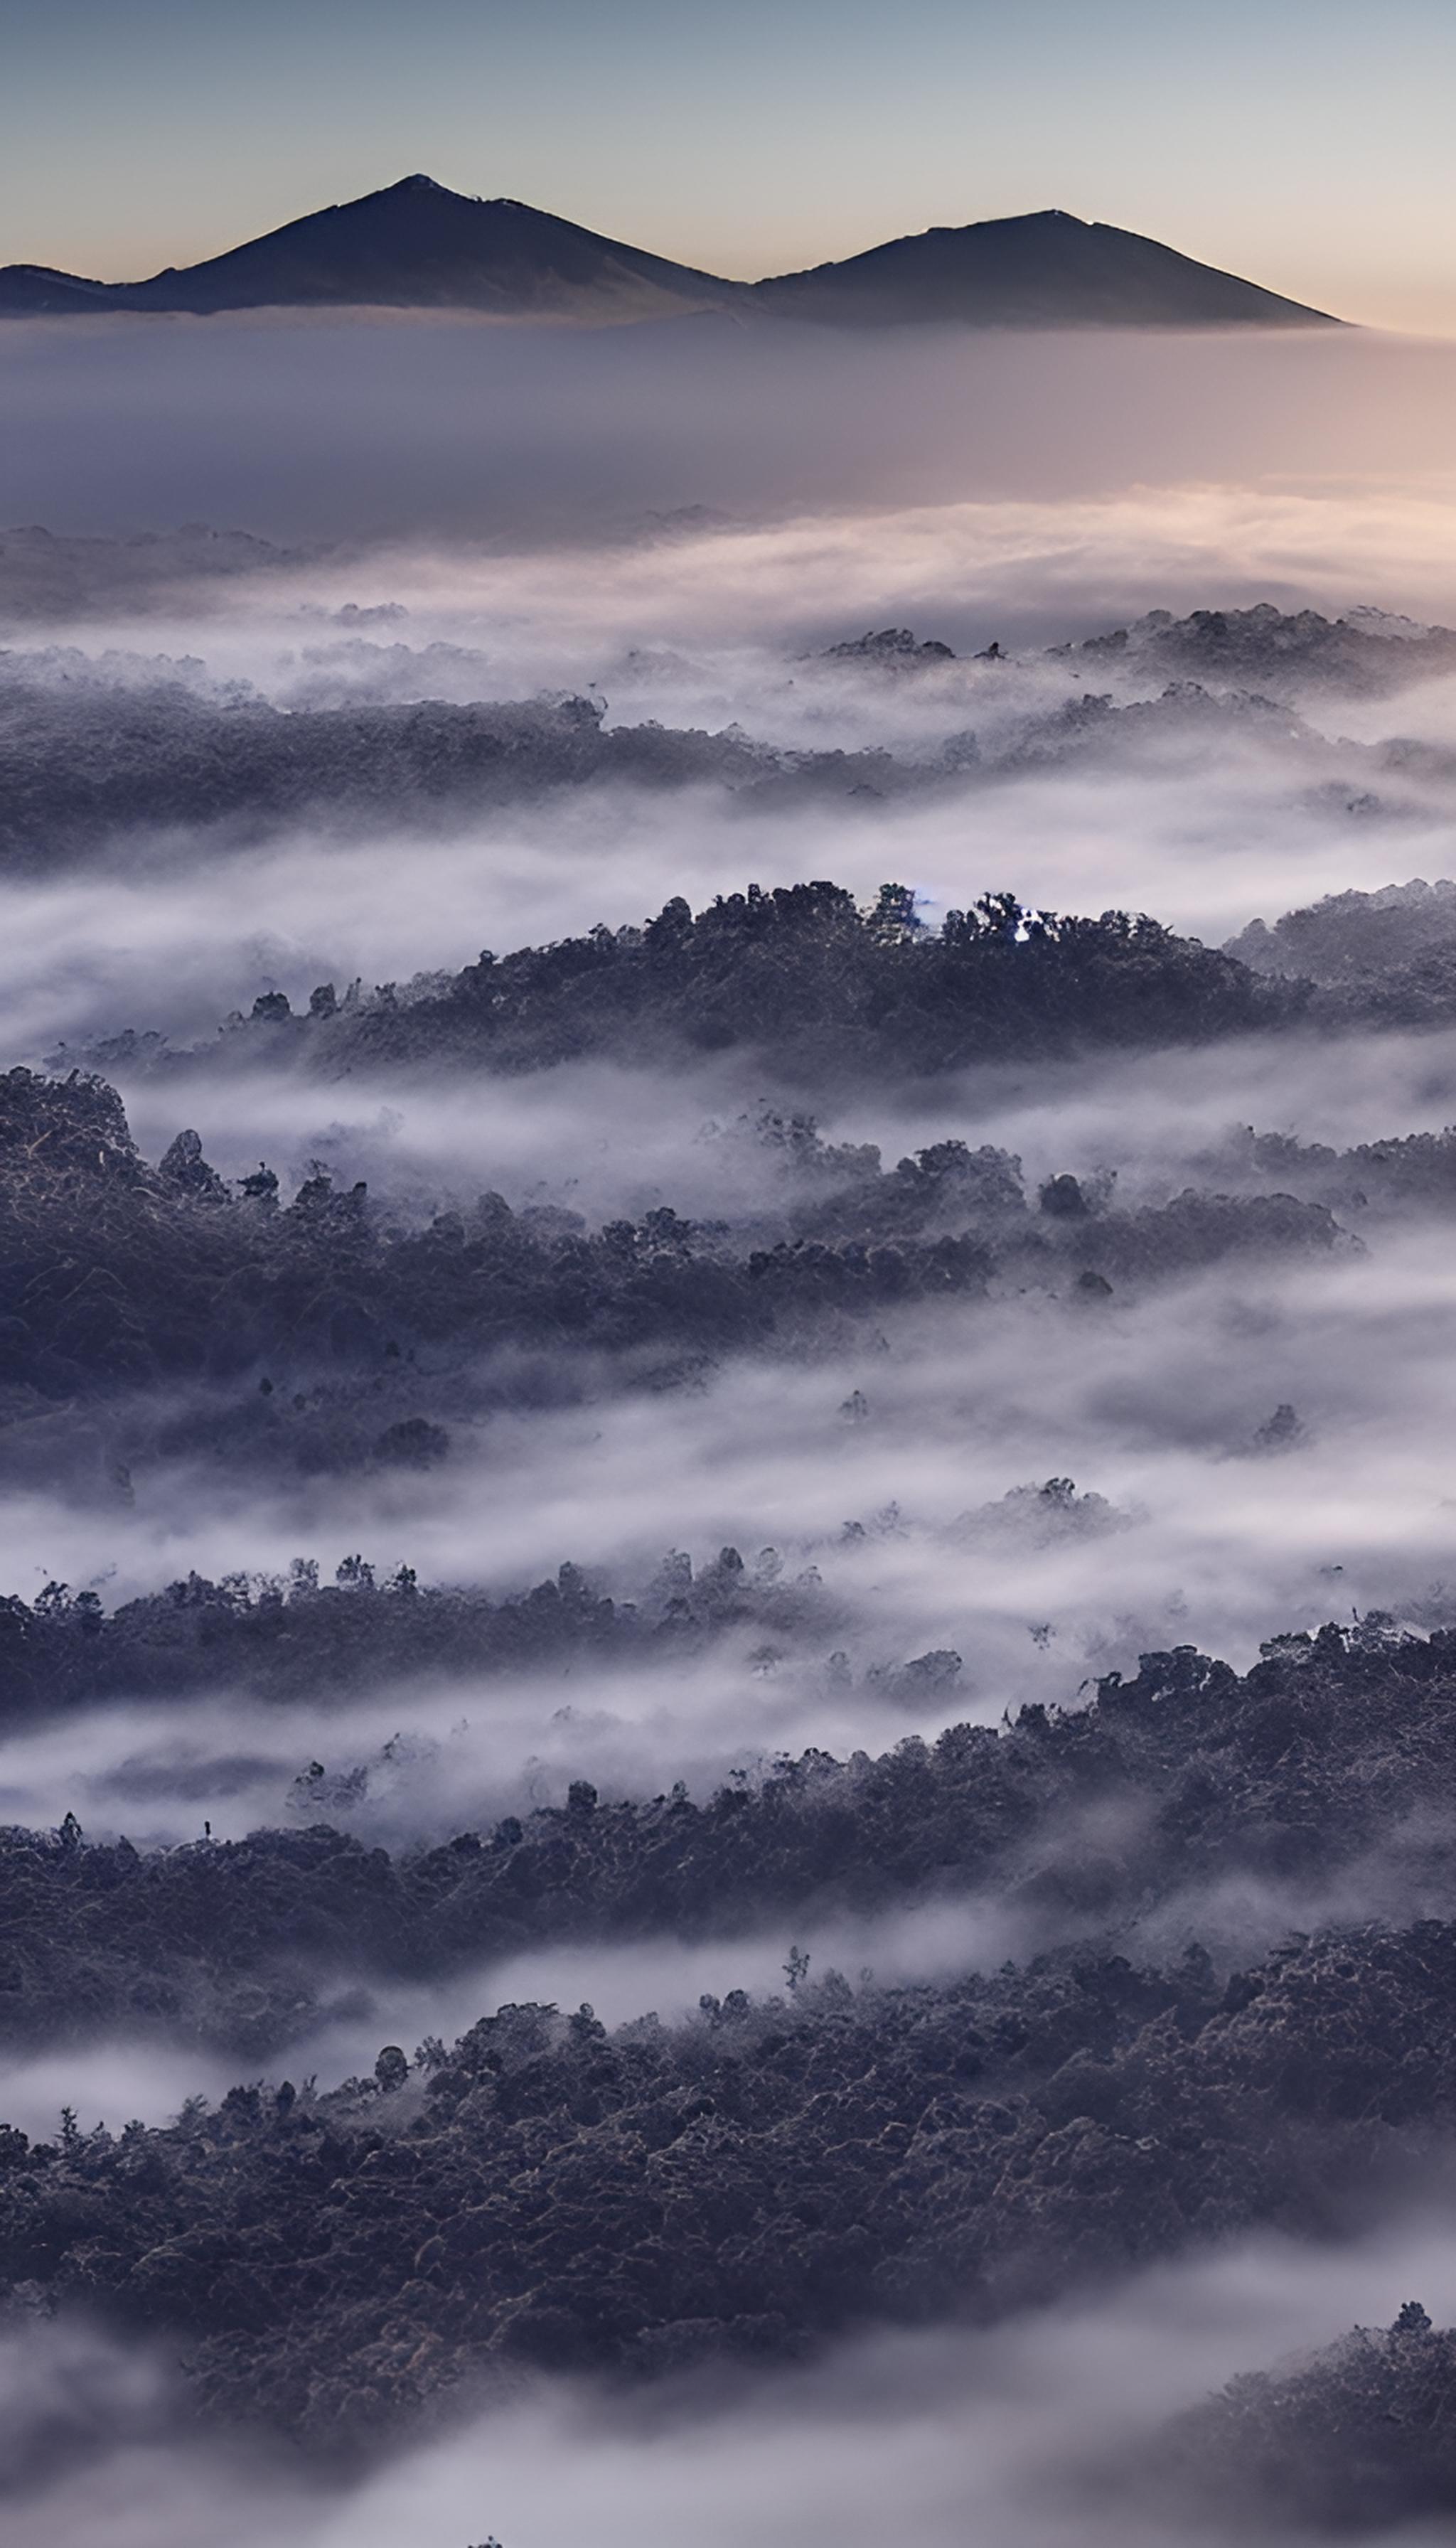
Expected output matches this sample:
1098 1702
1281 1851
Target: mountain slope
418 245
1039 270
42 291
413 245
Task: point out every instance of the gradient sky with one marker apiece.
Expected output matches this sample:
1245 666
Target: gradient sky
1304 143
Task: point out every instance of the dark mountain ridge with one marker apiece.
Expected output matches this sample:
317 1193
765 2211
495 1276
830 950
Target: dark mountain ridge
411 245
1036 270
417 244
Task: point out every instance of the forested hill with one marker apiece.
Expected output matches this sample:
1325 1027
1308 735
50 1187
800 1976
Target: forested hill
116 1272
739 2187
1328 1766
798 976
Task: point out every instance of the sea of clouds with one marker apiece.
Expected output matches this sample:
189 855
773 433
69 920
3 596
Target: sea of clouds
676 521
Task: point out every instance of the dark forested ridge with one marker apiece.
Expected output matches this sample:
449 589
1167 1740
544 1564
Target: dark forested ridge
1332 1758
85 767
1355 938
800 980
1360 2437
800 973
331 1332
160 761
1388 956
283 1639
798 976
117 1274
548 2192
1283 653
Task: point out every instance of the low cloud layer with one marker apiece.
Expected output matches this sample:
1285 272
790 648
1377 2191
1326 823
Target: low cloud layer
1131 1422
312 428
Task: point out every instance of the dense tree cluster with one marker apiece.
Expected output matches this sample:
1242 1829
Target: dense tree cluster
1331 1754
96 751
1386 959
796 974
802 975
82 764
1358 2438
828 994
546 2192
328 1332
894 650
285 1638
1290 653
1352 937
1413 1173
114 1272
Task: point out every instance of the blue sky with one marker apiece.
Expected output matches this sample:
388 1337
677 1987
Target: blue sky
1303 142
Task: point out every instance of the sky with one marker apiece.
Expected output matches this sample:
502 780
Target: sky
1303 142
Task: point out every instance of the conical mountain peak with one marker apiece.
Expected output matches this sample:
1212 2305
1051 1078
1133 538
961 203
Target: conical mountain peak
419 244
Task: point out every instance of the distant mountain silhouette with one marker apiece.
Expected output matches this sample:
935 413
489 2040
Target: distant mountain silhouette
418 246
412 246
39 291
1040 270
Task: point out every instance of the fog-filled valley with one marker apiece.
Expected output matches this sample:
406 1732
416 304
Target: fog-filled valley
727 1588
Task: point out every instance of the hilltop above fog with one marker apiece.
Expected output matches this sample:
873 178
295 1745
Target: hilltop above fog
1037 270
1365 653
420 246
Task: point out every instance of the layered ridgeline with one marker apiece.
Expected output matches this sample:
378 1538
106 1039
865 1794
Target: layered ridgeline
156 1315
830 996
365 729
547 2193
334 1328
800 975
779 2169
1187 1803
420 246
